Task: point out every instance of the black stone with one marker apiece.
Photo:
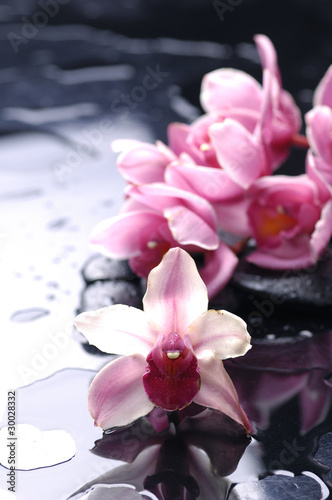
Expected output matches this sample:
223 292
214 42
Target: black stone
300 288
107 293
99 267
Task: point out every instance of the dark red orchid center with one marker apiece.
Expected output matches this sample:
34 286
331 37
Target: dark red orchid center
172 378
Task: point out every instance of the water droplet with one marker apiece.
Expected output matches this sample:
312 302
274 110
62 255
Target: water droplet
26 315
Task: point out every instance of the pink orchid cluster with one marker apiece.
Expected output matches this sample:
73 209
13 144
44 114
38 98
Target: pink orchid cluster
217 176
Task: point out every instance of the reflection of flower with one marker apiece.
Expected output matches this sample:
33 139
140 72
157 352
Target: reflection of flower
172 351
274 372
171 464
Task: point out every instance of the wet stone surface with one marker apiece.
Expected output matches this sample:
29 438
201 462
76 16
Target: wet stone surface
109 292
299 288
103 293
99 267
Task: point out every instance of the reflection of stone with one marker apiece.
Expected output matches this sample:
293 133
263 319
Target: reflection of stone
324 456
278 487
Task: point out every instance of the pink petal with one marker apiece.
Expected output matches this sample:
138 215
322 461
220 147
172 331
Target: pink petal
319 131
189 229
117 329
217 391
323 92
293 254
221 333
116 396
229 88
160 196
238 152
125 235
176 293
210 183
218 268
322 233
232 217
143 162
268 55
315 169
177 134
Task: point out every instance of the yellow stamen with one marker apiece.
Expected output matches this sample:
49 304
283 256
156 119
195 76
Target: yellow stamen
205 146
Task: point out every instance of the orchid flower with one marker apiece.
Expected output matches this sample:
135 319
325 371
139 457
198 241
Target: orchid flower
172 351
291 220
157 217
268 111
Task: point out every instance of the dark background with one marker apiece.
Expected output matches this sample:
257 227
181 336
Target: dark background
300 29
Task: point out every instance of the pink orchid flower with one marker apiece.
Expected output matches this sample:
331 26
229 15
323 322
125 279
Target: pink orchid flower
268 111
319 128
291 220
140 162
157 217
172 351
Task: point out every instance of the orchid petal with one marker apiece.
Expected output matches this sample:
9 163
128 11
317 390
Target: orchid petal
143 162
221 333
176 294
218 268
177 134
217 391
317 174
116 396
227 88
211 183
238 152
322 233
159 196
323 92
124 236
189 229
232 217
319 131
117 329
289 255
268 55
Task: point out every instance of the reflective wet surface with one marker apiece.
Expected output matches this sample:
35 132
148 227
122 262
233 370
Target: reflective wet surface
61 90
